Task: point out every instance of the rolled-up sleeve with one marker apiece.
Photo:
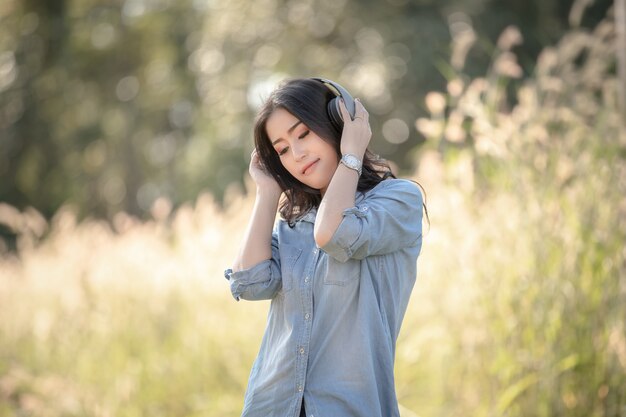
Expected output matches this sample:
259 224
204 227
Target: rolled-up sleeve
389 218
260 282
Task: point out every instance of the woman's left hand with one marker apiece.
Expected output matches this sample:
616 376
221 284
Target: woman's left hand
356 132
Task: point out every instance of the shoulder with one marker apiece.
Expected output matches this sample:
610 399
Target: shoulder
396 188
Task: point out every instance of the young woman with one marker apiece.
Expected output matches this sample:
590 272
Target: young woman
339 266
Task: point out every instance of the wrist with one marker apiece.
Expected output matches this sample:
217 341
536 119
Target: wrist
352 162
268 193
360 155
357 151
353 143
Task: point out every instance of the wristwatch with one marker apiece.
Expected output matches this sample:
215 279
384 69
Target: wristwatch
352 162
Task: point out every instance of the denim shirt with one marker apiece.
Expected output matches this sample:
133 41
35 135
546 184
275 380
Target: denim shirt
336 311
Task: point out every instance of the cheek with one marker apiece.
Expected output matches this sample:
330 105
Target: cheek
333 157
288 164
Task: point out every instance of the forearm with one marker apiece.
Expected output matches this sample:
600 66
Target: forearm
341 191
257 242
339 196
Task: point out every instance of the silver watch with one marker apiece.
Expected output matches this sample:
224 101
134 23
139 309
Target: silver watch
352 162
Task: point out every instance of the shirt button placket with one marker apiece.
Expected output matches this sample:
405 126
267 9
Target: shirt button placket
307 317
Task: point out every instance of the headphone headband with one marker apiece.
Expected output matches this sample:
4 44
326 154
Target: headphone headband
333 109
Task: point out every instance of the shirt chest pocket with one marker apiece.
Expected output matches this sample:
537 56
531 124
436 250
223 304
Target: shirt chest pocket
289 256
342 273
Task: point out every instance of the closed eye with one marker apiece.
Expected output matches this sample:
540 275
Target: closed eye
286 148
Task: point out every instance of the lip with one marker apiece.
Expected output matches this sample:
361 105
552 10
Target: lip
306 169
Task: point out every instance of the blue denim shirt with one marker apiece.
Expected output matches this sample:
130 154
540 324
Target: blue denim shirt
336 311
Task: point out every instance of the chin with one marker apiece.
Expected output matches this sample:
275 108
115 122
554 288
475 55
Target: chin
317 184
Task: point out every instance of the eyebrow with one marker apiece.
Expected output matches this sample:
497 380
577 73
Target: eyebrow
288 131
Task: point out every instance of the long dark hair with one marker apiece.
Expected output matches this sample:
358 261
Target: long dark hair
307 99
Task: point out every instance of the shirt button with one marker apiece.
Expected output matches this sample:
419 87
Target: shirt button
299 388
307 316
306 279
315 251
302 351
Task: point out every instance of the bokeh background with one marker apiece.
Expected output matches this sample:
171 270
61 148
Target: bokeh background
125 133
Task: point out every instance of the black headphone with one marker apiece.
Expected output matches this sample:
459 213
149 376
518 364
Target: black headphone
333 105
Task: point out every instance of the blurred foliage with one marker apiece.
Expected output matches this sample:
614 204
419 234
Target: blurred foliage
108 105
518 309
544 324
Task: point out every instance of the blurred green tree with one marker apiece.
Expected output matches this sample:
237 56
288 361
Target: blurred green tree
108 105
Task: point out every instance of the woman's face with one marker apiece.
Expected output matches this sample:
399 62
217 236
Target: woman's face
306 156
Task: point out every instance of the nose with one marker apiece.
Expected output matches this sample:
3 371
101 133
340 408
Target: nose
299 150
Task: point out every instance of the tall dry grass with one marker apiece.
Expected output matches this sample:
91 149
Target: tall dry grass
534 275
519 307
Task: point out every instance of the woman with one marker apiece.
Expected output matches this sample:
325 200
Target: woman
339 266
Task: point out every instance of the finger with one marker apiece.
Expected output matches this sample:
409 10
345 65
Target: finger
344 110
360 109
255 159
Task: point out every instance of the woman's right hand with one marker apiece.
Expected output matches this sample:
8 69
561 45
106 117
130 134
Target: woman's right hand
263 180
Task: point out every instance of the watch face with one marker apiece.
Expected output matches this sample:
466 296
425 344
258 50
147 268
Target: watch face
352 161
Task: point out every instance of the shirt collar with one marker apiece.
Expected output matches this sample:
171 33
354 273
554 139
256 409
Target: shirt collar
310 216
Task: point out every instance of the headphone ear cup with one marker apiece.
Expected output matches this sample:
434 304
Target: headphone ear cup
335 113
333 109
